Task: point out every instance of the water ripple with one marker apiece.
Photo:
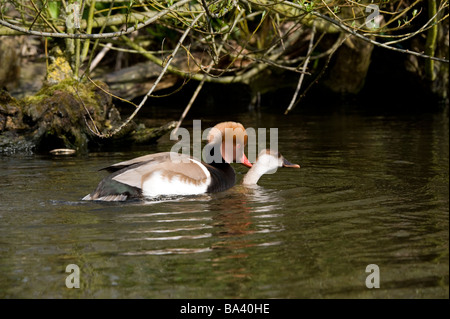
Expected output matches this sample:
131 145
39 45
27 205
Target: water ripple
169 230
206 235
169 251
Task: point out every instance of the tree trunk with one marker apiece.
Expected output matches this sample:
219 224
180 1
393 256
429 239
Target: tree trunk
348 72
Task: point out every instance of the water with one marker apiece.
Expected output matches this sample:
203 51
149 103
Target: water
371 190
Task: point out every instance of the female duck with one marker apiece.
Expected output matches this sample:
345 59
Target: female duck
268 161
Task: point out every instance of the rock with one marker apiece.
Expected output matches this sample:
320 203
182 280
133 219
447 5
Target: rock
347 74
58 114
10 113
67 115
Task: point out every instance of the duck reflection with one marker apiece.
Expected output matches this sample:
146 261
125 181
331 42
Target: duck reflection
227 223
240 218
238 210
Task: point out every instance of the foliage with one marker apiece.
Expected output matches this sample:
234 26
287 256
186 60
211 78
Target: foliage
226 40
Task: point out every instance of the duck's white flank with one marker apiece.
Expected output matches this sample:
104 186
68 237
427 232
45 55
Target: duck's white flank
159 183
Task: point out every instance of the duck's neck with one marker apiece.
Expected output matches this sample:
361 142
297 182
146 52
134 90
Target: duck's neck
222 177
222 174
253 175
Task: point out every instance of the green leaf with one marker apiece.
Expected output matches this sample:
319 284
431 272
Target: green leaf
54 8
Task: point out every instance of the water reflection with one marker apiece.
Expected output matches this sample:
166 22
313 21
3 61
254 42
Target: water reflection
169 251
370 190
228 219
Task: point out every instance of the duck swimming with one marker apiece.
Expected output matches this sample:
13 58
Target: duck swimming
267 161
170 173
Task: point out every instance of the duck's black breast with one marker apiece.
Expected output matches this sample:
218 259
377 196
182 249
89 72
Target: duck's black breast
223 177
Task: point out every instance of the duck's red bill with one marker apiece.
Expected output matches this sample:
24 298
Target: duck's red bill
244 161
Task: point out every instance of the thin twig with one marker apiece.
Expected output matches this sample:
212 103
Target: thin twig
347 29
100 56
97 36
96 42
90 19
202 82
109 93
305 65
341 40
41 16
216 15
422 29
97 132
174 52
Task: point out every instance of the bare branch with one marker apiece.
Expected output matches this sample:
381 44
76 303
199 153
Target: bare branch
138 26
305 65
174 52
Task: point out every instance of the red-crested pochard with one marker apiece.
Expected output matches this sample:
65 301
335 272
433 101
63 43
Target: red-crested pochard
171 173
267 161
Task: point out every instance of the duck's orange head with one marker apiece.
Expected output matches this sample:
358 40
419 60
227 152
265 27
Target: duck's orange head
233 138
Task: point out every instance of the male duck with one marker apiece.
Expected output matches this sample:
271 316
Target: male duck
171 173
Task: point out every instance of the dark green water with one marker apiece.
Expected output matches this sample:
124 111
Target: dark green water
371 190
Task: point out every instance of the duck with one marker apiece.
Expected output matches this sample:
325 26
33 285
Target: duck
267 162
171 173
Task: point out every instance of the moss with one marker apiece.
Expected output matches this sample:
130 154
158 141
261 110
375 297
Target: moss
59 69
56 114
56 117
11 117
8 104
48 90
